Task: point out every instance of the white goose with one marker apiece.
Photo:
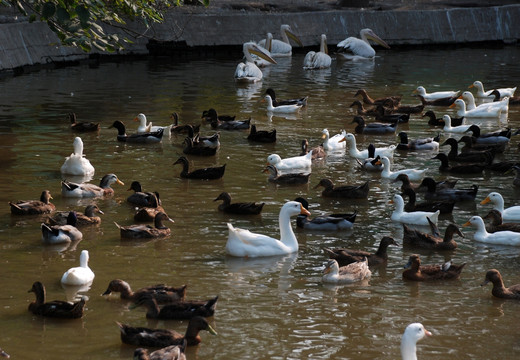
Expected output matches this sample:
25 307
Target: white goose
243 243
435 95
497 238
295 162
481 93
282 48
412 334
413 174
146 128
81 275
350 273
320 59
333 143
361 47
511 213
453 129
478 113
469 99
76 163
281 109
414 218
354 152
248 71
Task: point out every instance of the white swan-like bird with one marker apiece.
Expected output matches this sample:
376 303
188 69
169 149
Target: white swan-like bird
248 71
320 59
361 47
282 48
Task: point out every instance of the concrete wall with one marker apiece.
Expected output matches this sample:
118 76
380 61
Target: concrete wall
23 44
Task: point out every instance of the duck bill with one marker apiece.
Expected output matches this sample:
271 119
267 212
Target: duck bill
294 37
471 86
323 136
427 333
263 54
372 36
485 282
211 330
451 106
467 223
342 140
485 201
120 182
304 211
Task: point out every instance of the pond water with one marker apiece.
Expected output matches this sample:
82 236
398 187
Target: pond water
269 308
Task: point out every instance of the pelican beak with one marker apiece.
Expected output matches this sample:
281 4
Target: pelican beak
372 36
467 223
485 201
304 211
120 182
294 37
263 54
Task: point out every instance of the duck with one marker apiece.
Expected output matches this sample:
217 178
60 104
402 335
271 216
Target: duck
497 238
475 113
318 152
402 109
174 352
181 310
318 60
471 145
361 110
281 109
142 336
145 127
55 308
469 99
417 272
439 102
510 213
332 143
243 243
82 126
143 231
211 115
81 275
412 334
209 173
396 100
347 274
513 100
516 180
59 234
87 190
33 207
495 137
298 101
197 148
473 157
4 354
210 141
248 71
434 121
445 207
433 241
481 93
458 169
231 124
361 48
373 128
499 290
347 256
439 185
240 208
331 222
162 293
148 213
354 152
453 129
282 48
497 224
77 164
371 163
182 129
295 162
432 193
139 197
429 144
437 95
88 218
261 136
148 137
387 173
384 114
414 218
286 179
344 191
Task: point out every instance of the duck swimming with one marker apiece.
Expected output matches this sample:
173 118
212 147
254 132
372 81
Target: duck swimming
174 352
76 163
497 224
288 178
81 275
332 143
472 157
261 136
354 152
344 191
89 217
347 256
139 197
387 173
412 334
318 152
458 169
437 95
499 290
432 193
510 213
295 162
373 128
497 238
59 234
162 293
33 207
276 102
434 121
143 231
86 190
209 173
417 272
148 213
147 137
55 308
350 273
81 126
145 127
414 218
417 144
445 207
481 93
181 310
331 222
416 238
240 208
475 113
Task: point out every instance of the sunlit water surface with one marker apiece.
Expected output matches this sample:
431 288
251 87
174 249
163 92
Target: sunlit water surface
272 308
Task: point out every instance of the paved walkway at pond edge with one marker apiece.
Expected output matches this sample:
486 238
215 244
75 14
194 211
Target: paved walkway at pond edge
229 23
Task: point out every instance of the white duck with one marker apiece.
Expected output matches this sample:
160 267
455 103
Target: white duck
81 275
478 112
435 95
248 71
453 129
281 109
146 128
282 48
412 334
76 163
350 273
469 99
481 93
497 238
320 59
333 143
387 173
295 162
361 47
243 243
354 152
414 218
511 213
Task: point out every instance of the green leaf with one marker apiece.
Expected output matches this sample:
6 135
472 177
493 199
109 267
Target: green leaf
83 14
48 10
62 15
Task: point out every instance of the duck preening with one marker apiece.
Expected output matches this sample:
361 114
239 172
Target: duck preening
58 234
55 308
431 143
162 293
347 256
33 207
318 152
417 272
497 224
433 241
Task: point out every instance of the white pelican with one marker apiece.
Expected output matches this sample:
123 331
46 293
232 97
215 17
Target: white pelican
435 95
478 113
259 61
467 96
320 59
487 94
248 71
280 48
361 47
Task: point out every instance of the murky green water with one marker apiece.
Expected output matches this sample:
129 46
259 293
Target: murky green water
272 308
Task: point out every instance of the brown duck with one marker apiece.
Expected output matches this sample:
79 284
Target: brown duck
179 310
286 179
348 256
417 272
318 152
497 224
148 213
56 308
239 208
174 352
345 191
432 241
163 294
33 207
499 290
89 217
146 231
82 126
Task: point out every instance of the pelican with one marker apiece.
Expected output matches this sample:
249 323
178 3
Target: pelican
248 71
259 61
487 94
361 47
320 59
281 48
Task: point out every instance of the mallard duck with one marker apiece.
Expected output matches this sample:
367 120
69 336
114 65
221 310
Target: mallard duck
371 163
473 157
439 185
469 99
56 308
86 190
211 115
475 113
320 59
209 173
417 272
89 217
497 238
414 218
332 222
148 137
143 231
243 243
295 162
162 293
199 148
344 191
347 274
384 114
287 179
139 197
141 336
412 334
471 145
457 169
240 208
248 71
148 213
432 193
396 100
182 129
58 234
262 136
318 152
82 126
481 93
332 143
499 290
354 152
145 127
33 207
373 128
495 137
431 143
437 95
174 352
210 141
402 109
387 173
300 101
434 121
181 310
511 213
281 109
231 124
77 163
361 47
81 275
432 241
283 48
361 110
445 207
497 224
347 256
